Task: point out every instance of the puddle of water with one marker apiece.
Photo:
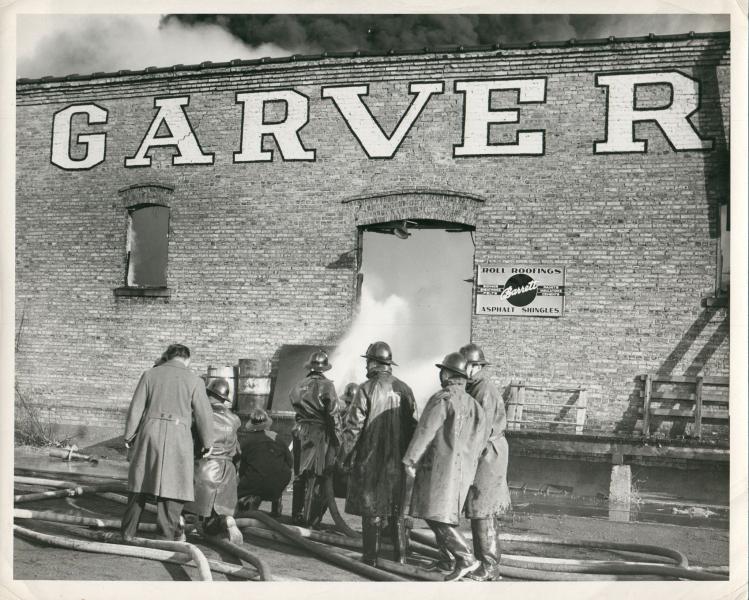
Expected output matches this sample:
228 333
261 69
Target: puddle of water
671 512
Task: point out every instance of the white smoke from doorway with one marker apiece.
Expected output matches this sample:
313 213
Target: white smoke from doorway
390 320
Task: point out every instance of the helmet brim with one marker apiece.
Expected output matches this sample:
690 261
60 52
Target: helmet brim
218 396
311 367
452 369
380 360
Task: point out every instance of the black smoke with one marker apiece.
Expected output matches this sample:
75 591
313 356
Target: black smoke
379 33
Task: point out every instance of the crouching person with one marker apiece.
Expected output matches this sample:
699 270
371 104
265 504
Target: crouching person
442 458
265 465
215 478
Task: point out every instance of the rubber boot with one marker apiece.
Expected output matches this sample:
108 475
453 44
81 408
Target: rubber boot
486 548
399 535
298 496
276 507
446 562
370 540
465 561
235 536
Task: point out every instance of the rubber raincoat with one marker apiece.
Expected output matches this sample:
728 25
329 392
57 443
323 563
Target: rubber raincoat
489 495
445 449
315 401
216 476
378 428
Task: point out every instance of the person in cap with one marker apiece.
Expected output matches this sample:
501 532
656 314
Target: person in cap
376 433
215 478
442 457
489 496
166 401
265 465
316 439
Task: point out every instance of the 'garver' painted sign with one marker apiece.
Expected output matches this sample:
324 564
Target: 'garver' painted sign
520 290
478 115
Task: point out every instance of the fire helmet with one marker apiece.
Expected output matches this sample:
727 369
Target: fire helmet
473 354
318 361
380 351
219 388
456 363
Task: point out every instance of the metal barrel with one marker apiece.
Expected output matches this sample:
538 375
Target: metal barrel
253 385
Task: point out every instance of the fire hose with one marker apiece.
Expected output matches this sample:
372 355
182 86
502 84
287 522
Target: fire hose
415 572
71 453
251 525
340 524
150 527
128 550
244 554
323 551
118 549
64 492
512 566
681 570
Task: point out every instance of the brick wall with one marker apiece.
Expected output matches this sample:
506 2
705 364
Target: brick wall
259 253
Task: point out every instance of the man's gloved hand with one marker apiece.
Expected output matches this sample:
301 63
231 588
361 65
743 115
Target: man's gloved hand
410 470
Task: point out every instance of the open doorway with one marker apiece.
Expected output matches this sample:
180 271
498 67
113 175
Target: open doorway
415 292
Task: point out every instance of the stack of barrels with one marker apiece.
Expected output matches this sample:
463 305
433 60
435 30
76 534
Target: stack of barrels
249 384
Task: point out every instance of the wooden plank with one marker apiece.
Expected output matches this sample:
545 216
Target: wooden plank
536 388
582 408
716 381
551 404
512 405
671 412
646 405
698 409
706 414
521 402
684 397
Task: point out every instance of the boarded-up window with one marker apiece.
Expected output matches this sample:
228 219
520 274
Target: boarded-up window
147 246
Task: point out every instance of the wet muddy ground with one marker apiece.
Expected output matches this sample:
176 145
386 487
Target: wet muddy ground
703 545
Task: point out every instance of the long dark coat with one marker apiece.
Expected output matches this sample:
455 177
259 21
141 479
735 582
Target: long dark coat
215 479
489 495
158 425
445 447
379 426
265 466
316 404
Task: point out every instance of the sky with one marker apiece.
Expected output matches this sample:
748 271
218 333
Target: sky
59 44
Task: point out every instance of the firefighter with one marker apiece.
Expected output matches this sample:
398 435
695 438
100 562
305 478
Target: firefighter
215 478
442 457
316 439
377 431
168 398
489 496
265 468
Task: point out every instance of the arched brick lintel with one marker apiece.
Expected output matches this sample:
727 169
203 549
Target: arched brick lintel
441 205
146 193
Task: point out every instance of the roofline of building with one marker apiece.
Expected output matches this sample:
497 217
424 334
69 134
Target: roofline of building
368 54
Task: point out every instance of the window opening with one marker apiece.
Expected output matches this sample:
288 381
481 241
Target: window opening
147 246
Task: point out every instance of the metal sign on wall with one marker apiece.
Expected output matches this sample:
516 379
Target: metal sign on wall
520 290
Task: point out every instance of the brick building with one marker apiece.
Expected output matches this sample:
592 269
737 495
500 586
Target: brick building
606 158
